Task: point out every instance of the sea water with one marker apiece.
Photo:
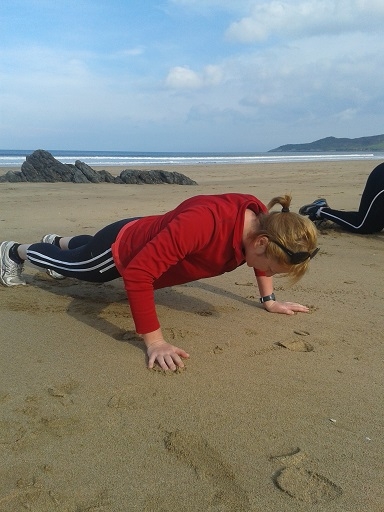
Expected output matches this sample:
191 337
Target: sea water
15 158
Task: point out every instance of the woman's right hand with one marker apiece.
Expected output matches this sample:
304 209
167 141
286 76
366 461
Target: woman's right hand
167 356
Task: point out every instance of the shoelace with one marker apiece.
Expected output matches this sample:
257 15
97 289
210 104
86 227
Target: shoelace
16 269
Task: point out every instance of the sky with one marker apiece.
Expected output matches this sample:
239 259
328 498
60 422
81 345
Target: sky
188 75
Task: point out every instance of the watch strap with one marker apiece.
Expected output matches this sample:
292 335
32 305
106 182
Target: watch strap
267 298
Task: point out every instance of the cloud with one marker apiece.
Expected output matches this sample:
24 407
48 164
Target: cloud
213 75
306 18
305 84
348 114
182 77
303 69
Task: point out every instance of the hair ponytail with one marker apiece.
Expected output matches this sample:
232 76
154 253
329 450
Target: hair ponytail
284 201
290 229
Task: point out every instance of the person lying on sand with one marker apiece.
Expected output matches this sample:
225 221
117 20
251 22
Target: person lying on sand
370 216
205 236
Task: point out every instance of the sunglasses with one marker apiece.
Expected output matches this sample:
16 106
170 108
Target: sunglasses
296 257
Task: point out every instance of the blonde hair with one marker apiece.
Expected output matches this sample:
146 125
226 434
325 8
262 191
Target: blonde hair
295 232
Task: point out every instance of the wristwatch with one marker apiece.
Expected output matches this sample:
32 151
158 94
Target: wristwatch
267 298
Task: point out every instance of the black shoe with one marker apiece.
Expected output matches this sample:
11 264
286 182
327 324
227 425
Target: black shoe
312 208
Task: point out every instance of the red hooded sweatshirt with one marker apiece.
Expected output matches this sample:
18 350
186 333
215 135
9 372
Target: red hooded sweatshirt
200 238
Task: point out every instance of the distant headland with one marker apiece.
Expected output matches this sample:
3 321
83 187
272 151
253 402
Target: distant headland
373 143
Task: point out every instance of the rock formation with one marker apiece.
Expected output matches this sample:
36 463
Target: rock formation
41 166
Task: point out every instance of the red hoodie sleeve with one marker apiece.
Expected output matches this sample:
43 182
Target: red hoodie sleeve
188 232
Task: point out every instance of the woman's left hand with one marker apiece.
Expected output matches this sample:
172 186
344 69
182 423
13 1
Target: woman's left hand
287 308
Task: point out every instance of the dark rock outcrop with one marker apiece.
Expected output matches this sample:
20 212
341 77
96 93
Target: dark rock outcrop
153 177
42 167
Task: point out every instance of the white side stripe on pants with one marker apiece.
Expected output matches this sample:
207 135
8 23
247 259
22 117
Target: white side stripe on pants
330 216
35 257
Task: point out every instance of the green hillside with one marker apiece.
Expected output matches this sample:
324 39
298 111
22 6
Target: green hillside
374 143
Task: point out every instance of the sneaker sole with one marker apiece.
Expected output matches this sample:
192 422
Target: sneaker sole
303 209
50 239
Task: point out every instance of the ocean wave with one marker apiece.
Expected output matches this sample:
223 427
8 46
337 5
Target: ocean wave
99 159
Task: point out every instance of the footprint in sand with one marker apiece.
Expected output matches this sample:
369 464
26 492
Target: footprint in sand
133 397
177 334
32 499
28 492
11 432
124 399
205 460
58 426
306 485
297 345
22 490
301 483
64 391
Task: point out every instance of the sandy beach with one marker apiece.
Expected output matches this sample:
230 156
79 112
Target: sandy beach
273 413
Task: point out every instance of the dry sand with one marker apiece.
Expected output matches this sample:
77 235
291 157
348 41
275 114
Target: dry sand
273 413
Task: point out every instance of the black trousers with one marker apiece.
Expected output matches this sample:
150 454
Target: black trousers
370 216
88 258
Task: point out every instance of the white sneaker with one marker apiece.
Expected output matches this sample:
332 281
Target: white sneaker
10 272
50 239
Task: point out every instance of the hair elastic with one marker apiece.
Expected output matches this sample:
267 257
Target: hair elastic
285 209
